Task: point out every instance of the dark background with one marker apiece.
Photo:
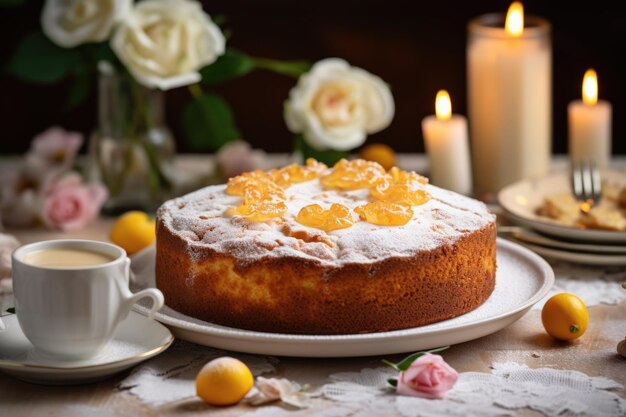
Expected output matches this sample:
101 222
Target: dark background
417 47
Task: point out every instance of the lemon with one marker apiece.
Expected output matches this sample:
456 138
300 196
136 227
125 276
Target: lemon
565 317
133 231
224 381
381 153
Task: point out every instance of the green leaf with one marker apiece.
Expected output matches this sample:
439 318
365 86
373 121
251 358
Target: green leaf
231 65
103 52
12 3
80 88
11 310
390 364
404 364
39 60
209 123
220 19
330 157
393 382
290 68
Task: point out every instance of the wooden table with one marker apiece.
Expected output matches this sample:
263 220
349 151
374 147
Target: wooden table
524 342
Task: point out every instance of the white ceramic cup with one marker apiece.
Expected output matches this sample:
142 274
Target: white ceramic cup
72 312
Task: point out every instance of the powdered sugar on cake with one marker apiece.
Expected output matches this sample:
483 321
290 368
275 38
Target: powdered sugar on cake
200 219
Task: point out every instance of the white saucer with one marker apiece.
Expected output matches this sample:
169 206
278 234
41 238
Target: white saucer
136 339
522 279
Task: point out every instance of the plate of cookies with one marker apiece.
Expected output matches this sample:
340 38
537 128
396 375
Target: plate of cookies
547 205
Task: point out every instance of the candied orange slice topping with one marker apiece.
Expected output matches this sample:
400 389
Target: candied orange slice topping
336 217
352 175
237 185
399 193
385 213
406 177
386 189
259 211
298 173
260 203
400 187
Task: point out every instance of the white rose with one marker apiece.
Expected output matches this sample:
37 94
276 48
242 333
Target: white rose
164 43
335 105
73 22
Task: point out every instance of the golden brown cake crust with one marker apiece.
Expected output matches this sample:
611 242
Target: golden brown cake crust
294 294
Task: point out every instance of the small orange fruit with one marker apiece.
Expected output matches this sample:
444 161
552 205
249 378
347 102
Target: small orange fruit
133 231
224 381
379 152
565 317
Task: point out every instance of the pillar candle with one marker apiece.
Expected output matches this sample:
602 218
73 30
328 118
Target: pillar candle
445 137
589 123
509 65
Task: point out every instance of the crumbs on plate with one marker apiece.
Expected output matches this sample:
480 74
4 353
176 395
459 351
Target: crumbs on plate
609 214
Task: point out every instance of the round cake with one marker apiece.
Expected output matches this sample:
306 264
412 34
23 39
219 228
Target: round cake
316 250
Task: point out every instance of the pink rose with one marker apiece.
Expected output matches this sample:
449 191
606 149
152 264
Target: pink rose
54 148
428 377
71 204
237 157
8 244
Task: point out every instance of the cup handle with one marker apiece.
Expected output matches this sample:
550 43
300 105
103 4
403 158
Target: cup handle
131 299
153 293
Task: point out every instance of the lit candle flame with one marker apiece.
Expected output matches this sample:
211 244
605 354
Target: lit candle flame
443 106
514 24
590 87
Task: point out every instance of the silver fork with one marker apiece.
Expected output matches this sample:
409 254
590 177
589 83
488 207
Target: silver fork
586 183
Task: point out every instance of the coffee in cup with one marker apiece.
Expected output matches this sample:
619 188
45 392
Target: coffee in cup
65 258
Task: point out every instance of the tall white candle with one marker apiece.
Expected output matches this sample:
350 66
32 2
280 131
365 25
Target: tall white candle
509 65
445 137
589 123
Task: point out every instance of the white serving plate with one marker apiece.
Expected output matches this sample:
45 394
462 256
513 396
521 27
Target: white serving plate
137 338
522 279
521 199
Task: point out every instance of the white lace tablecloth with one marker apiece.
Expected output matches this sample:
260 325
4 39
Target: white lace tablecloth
503 390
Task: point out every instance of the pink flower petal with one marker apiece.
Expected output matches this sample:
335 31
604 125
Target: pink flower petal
428 377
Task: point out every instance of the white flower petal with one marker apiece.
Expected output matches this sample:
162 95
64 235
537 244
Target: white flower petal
274 389
164 43
69 23
335 105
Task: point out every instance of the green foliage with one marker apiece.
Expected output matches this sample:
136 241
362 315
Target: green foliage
405 363
103 52
209 123
231 65
39 60
12 3
80 88
207 120
330 157
289 68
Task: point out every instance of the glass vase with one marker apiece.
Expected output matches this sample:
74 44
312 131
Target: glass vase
132 150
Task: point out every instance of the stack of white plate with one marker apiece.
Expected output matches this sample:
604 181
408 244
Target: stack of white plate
555 240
